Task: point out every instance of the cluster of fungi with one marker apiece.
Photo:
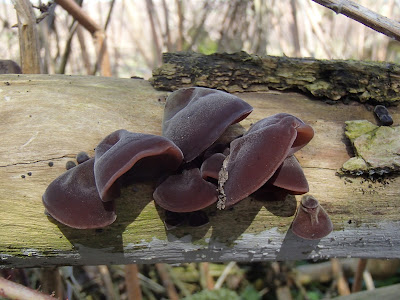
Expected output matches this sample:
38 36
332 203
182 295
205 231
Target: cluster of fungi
191 165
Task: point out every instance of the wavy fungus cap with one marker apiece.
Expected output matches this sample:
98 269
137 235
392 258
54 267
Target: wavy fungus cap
255 157
185 192
73 200
212 165
121 150
194 118
290 177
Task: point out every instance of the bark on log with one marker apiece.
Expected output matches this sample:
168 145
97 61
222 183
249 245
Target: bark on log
50 118
238 72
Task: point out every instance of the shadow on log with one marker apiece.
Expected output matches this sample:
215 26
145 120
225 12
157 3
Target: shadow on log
372 82
47 119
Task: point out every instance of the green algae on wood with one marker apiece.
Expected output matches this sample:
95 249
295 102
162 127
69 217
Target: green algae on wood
74 113
377 148
364 81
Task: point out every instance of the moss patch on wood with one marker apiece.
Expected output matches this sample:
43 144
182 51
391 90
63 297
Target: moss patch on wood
364 81
377 148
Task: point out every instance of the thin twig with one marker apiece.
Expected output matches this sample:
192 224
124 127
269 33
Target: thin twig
103 58
82 43
67 51
178 282
180 24
167 282
109 15
108 284
224 274
132 282
342 286
200 26
156 43
167 30
205 272
369 282
364 15
79 14
362 263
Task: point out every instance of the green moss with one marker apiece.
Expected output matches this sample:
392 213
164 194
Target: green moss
356 128
376 148
355 164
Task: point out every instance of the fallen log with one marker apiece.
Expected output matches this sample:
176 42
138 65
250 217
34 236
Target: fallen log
364 81
47 119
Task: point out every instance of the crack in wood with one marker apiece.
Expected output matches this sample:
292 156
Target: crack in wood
38 161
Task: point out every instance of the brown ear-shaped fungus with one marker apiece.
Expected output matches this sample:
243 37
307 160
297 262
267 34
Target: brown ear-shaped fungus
255 157
73 200
304 132
290 176
121 150
211 166
194 118
311 221
185 192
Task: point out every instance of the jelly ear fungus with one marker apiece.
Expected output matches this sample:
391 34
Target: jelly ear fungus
194 118
311 221
73 200
144 155
263 152
83 197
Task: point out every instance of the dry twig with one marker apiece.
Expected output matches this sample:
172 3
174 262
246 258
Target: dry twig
108 284
28 37
342 286
167 282
206 276
13 290
224 274
97 32
362 263
132 282
363 15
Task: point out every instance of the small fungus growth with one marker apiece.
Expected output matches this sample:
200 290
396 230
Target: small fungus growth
311 221
193 164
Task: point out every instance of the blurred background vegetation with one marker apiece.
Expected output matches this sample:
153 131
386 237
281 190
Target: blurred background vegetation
138 32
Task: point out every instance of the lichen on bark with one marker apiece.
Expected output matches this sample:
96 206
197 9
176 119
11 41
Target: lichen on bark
377 148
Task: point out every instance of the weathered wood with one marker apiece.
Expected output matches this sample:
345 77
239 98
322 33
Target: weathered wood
238 72
28 37
47 118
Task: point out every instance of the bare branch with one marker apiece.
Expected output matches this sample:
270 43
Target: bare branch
28 37
365 16
13 290
79 14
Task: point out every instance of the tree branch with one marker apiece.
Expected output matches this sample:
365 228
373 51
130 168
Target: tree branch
28 37
80 15
13 290
365 16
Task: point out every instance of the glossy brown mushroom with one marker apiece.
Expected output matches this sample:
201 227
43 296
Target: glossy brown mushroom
311 221
194 118
290 177
304 132
212 165
255 157
185 192
73 200
144 155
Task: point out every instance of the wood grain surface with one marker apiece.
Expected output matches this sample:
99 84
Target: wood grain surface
47 119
